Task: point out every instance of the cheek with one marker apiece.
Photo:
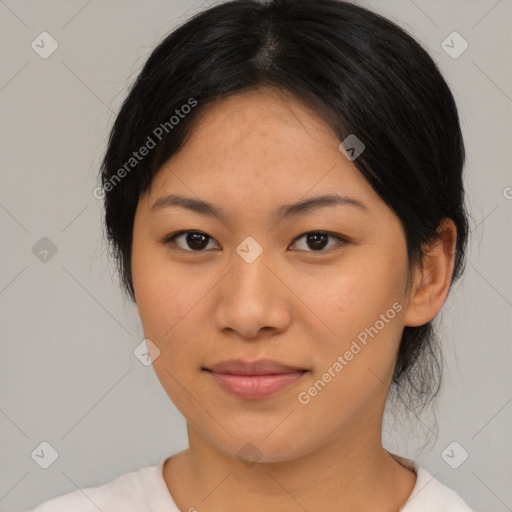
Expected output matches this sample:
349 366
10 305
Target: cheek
354 366
356 298
363 305
172 313
158 290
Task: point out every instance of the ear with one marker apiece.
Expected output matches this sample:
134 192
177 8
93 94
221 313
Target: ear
431 282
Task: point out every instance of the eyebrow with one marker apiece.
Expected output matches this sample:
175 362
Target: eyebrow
288 210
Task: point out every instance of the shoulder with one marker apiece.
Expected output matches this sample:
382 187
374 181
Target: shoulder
124 494
430 495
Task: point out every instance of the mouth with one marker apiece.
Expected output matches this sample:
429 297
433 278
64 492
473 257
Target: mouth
254 380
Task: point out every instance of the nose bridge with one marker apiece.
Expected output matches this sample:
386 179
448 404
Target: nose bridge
249 298
250 275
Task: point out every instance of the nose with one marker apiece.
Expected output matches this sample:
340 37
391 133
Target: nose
251 299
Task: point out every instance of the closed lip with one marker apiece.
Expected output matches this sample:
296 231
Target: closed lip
258 367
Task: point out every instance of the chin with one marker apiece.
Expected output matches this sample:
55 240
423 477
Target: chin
261 448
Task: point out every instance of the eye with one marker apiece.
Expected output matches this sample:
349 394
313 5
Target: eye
195 240
317 240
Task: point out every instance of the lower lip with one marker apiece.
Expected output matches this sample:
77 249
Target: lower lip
255 387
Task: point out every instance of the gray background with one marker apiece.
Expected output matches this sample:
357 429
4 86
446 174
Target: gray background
68 373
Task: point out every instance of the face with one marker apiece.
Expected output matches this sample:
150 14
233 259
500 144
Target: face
320 289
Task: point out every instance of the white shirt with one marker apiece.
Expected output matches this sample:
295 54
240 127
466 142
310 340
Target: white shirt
145 490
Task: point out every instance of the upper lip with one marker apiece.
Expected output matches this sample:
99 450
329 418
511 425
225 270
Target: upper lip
260 367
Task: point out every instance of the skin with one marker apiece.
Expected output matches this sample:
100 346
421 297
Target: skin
249 154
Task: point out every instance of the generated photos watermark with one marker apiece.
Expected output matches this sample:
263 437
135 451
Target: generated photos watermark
304 397
150 143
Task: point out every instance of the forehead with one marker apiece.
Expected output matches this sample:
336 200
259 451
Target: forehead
266 114
262 147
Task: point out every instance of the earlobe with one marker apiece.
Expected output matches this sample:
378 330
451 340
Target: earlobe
431 282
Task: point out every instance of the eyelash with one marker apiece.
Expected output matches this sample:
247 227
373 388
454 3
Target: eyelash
169 240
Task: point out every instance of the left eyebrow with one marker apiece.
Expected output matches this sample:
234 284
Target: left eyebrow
294 209
308 205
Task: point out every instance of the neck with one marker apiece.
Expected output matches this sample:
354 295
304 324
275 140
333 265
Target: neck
351 472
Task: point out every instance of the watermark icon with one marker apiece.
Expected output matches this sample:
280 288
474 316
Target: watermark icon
352 147
249 454
454 45
507 193
249 250
150 143
44 250
146 352
44 45
454 455
304 397
44 455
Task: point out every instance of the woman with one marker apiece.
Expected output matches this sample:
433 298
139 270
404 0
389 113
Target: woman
284 198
